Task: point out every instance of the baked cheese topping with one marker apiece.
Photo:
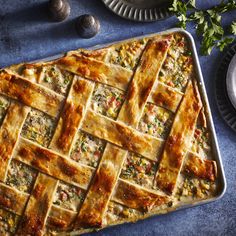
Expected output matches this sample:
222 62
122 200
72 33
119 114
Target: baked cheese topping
156 121
8 222
21 176
87 149
139 170
28 71
38 127
4 104
69 197
107 100
178 66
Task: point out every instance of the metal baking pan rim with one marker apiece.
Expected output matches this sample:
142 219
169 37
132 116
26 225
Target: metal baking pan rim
202 89
217 155
203 92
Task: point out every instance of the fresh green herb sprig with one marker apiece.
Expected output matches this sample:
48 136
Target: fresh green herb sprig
233 28
208 22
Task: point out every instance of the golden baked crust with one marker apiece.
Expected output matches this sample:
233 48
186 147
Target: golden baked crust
165 96
38 206
72 115
101 137
52 164
12 199
96 70
202 168
118 133
141 85
30 94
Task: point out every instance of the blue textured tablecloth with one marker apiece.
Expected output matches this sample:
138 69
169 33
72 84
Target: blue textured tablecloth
27 34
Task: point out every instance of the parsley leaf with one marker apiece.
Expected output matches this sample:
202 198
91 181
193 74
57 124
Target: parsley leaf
207 22
180 10
233 27
224 42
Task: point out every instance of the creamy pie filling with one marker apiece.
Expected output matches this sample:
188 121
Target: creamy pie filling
156 121
139 170
107 100
191 188
56 79
127 55
178 66
8 222
201 142
68 196
118 212
21 176
38 127
87 149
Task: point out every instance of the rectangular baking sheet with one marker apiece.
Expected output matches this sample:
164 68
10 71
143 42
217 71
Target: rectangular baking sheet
215 148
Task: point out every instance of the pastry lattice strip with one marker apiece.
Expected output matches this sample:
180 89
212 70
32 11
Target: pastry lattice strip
92 212
179 140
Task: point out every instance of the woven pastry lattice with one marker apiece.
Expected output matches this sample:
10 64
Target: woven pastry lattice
101 137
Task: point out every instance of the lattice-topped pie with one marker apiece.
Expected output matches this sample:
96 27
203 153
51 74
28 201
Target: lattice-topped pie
97 138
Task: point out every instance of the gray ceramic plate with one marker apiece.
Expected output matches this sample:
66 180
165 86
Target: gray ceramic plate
225 106
231 81
140 10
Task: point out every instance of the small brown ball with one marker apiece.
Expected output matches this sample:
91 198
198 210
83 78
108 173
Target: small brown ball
87 26
59 9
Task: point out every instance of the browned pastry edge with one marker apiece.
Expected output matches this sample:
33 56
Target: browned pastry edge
30 94
201 168
179 139
38 206
9 133
72 115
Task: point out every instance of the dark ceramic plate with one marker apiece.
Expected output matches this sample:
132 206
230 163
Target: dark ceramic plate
140 10
223 90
